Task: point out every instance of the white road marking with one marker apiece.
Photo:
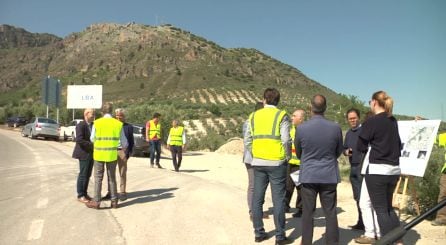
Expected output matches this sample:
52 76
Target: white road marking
42 203
35 230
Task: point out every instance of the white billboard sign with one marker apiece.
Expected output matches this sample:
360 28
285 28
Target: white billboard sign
84 96
417 138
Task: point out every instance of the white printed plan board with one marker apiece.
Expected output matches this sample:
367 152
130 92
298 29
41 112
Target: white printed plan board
417 138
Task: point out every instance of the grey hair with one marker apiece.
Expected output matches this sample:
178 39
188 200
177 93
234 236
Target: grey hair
119 111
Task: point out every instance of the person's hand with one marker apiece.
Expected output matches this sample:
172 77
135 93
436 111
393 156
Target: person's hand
348 152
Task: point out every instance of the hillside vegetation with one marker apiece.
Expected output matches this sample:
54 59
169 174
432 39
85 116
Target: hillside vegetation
147 69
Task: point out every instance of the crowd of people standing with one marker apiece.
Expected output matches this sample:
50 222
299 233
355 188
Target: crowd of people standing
279 148
107 142
276 148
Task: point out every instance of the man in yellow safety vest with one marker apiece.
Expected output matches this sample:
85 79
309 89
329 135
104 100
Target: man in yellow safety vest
269 141
176 142
106 135
441 214
153 136
297 118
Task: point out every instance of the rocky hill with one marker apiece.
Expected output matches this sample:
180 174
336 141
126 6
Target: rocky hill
152 68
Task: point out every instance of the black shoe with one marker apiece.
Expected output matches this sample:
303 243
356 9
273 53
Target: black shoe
158 165
358 227
297 214
106 197
283 241
261 238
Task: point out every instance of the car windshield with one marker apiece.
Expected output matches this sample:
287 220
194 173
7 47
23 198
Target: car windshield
46 120
137 130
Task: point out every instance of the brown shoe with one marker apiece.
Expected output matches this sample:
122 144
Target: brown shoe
93 204
365 240
83 199
114 204
122 196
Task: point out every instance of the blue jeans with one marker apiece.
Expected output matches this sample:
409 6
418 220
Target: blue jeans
277 177
155 146
85 168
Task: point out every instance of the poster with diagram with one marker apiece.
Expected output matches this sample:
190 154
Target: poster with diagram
417 138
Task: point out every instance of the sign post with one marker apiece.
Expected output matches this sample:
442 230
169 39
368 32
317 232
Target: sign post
51 89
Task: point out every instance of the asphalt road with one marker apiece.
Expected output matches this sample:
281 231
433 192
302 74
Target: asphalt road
205 203
38 202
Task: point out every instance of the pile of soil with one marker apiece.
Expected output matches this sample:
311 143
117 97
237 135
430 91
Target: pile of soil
233 146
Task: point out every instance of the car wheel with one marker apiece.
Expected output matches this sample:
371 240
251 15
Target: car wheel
65 137
15 125
23 133
73 138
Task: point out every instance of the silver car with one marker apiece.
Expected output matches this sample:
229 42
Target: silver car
41 127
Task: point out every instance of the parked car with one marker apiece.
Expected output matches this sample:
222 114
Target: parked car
16 121
41 127
69 131
141 147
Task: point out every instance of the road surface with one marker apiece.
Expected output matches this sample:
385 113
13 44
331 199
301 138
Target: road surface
205 203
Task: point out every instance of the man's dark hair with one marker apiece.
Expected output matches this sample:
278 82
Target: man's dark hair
318 104
107 108
271 96
259 105
156 115
353 110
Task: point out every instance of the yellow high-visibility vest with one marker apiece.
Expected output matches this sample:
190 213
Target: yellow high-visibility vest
294 160
265 131
154 130
442 142
106 139
176 136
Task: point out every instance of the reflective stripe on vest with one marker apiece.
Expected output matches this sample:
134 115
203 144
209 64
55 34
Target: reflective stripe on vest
176 136
155 130
106 139
265 131
294 160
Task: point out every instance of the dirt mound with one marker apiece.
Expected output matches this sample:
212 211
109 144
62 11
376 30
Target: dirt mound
233 146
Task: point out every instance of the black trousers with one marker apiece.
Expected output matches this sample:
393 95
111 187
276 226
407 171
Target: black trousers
177 156
356 181
381 188
328 196
290 186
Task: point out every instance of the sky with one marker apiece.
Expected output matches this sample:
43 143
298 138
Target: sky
354 47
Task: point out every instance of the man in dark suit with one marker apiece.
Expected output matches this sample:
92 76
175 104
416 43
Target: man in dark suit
83 150
318 146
